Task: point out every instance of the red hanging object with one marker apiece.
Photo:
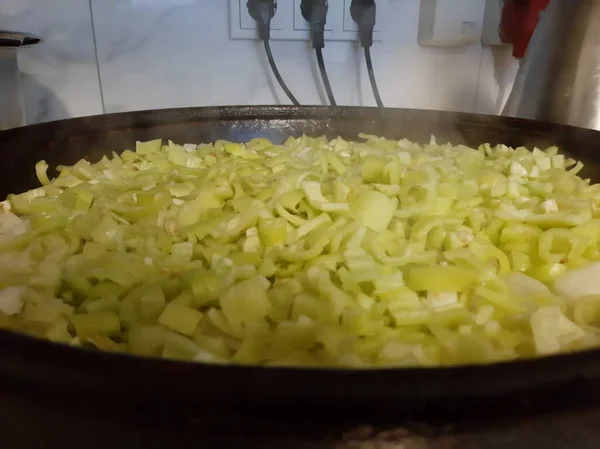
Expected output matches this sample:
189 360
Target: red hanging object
519 19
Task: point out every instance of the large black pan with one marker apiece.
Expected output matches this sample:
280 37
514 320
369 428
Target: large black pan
51 395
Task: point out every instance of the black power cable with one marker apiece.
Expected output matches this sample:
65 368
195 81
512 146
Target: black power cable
315 12
372 79
324 76
278 76
262 11
364 13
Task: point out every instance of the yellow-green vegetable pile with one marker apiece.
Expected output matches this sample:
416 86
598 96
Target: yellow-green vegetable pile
315 252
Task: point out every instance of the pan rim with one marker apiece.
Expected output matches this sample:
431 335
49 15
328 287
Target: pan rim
547 370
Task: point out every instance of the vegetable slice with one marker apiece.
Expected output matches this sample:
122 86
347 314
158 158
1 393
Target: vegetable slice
180 318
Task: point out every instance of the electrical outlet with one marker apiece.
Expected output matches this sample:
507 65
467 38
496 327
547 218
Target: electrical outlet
351 26
243 26
301 24
288 23
449 23
246 22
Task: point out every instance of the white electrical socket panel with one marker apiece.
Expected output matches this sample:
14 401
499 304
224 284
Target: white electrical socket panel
247 23
351 26
300 24
449 23
288 23
490 34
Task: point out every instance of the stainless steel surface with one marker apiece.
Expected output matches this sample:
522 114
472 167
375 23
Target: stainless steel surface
12 109
12 112
559 77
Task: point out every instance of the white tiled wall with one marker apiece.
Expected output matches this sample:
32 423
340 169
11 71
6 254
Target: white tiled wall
119 55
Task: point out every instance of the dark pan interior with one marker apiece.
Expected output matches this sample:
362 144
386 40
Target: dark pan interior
193 396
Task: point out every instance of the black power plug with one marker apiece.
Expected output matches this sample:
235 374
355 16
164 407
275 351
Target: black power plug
262 11
315 13
364 13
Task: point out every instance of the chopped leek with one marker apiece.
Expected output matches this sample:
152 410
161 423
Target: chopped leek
180 318
98 323
308 253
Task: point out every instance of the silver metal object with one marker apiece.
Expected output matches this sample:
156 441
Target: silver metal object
12 109
559 77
